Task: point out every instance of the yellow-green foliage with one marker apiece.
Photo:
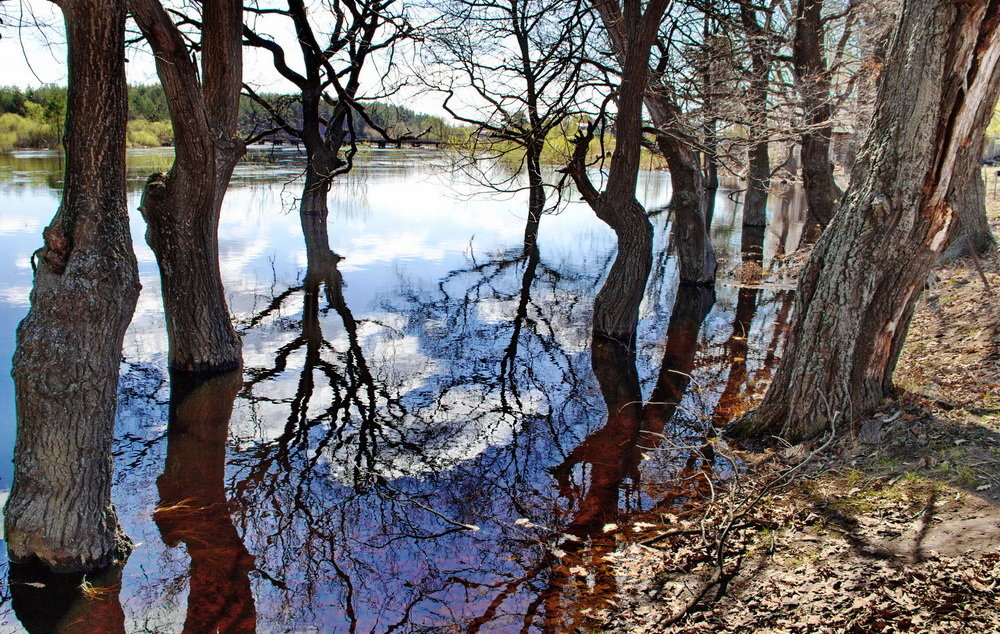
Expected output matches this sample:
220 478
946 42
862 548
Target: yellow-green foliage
994 129
18 131
557 150
143 133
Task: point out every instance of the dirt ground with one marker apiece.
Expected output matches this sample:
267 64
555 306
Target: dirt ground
895 530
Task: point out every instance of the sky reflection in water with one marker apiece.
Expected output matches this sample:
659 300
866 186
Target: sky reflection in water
436 382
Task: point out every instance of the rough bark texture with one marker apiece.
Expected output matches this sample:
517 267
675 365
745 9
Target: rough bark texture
616 307
972 231
69 346
814 87
194 509
182 208
858 291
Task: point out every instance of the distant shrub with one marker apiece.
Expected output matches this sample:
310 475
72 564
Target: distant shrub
8 140
18 131
143 133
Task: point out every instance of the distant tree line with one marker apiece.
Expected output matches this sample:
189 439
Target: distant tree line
33 118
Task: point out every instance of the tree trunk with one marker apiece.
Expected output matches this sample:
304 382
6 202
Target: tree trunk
711 158
182 209
536 196
972 231
616 307
194 509
69 346
711 176
694 248
759 168
814 85
695 254
859 289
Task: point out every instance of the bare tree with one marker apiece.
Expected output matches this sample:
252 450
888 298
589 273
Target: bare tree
182 208
519 63
69 346
859 290
330 99
616 307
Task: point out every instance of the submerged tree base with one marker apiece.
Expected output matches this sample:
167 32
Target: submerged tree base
46 601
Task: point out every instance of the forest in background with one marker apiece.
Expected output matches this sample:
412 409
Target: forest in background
34 118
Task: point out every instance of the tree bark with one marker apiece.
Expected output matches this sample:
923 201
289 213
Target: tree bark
182 208
972 232
69 346
814 86
859 289
616 307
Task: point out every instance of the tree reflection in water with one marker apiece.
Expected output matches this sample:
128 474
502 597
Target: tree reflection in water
582 575
369 439
450 461
193 507
47 603
429 468
369 498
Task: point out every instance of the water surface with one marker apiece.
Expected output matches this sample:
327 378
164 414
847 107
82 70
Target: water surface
424 439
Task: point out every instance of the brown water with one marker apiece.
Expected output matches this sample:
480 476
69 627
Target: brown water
423 437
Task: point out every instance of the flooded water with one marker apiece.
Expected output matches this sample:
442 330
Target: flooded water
423 437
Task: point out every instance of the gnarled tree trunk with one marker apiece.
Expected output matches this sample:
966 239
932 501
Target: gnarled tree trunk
182 208
616 307
858 291
69 346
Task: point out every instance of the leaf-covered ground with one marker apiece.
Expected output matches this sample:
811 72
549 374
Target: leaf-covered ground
895 529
